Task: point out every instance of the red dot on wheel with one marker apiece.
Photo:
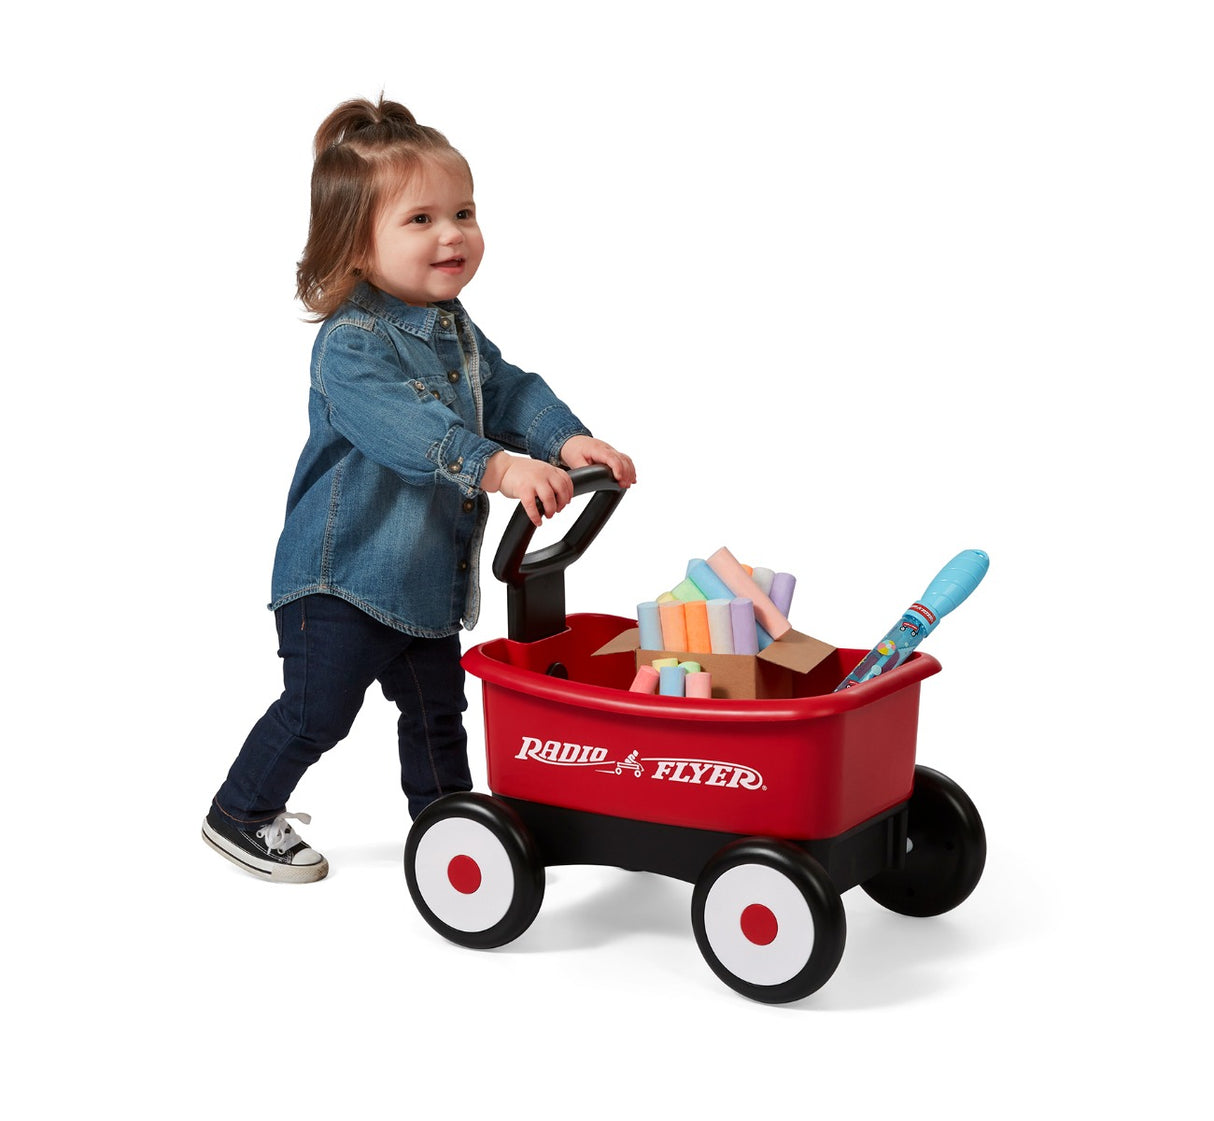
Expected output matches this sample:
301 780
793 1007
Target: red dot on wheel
759 924
464 874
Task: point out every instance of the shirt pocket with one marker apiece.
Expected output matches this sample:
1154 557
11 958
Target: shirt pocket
438 387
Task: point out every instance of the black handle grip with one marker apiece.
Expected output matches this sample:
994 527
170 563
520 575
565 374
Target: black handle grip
535 583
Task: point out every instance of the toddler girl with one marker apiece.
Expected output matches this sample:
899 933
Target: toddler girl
410 412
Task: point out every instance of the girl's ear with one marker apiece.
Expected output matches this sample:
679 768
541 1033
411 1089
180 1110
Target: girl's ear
361 264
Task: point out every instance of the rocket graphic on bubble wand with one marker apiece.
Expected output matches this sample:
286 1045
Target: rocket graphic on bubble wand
950 588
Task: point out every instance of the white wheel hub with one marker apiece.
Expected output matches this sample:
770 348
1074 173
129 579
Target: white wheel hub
464 874
758 924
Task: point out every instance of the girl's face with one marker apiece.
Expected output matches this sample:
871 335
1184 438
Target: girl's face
426 244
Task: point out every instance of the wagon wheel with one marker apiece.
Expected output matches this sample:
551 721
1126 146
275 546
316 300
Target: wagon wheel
768 920
945 851
473 870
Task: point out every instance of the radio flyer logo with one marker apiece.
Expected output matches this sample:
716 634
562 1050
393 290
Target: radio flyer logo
695 772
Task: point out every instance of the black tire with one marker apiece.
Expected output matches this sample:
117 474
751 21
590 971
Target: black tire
768 920
473 870
946 851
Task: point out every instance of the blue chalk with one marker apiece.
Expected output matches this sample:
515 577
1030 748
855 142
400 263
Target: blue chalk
672 681
650 621
702 576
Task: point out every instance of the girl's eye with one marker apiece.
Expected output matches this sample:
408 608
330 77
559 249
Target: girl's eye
464 215
420 219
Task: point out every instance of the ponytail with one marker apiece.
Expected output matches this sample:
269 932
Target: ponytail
370 126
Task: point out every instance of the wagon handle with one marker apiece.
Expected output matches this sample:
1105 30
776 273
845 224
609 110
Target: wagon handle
535 583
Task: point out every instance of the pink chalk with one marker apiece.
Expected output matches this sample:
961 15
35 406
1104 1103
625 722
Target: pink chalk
646 681
699 684
734 577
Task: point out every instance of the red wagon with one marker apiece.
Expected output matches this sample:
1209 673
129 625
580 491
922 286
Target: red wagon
771 808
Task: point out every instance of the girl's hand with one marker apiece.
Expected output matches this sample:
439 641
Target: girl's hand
531 481
581 451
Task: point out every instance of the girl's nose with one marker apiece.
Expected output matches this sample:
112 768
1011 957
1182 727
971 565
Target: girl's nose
451 234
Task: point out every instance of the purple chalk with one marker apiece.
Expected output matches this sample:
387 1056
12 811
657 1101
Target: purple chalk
745 634
782 586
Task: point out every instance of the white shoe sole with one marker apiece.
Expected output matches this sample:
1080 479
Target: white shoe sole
267 870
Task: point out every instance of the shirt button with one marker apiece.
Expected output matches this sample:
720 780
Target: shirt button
463 566
469 505
457 464
453 376
434 392
444 323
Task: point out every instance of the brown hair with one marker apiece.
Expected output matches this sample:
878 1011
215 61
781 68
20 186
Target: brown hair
363 154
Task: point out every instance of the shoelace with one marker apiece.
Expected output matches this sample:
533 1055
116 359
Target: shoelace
279 836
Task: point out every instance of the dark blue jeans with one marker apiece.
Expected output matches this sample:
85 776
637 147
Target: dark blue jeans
331 654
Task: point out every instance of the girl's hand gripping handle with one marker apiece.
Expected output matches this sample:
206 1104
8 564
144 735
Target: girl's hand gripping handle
535 582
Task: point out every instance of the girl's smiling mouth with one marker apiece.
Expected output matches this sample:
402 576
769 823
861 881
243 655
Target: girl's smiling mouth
451 264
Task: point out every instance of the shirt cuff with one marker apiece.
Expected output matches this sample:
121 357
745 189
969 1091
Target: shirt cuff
462 456
549 431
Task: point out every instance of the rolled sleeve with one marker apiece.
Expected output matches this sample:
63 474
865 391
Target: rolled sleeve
462 456
521 410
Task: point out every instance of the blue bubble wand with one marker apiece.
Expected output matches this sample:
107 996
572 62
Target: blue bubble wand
948 590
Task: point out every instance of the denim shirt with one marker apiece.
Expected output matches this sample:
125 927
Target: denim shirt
407 405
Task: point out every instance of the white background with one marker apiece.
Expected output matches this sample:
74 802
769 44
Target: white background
858 286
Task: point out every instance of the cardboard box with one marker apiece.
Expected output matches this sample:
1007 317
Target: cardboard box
784 669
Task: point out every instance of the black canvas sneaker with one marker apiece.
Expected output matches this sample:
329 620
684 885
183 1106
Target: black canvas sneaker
274 851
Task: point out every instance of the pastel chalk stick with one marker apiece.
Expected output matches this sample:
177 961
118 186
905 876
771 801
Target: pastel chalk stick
674 625
666 597
763 577
701 574
783 584
745 634
726 566
720 626
690 667
699 636
672 682
646 680
650 621
698 685
664 663
686 591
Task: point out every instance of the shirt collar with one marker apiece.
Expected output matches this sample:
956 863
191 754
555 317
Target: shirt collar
418 321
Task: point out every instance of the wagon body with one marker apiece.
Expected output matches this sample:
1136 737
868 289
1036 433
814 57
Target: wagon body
802 768
771 808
